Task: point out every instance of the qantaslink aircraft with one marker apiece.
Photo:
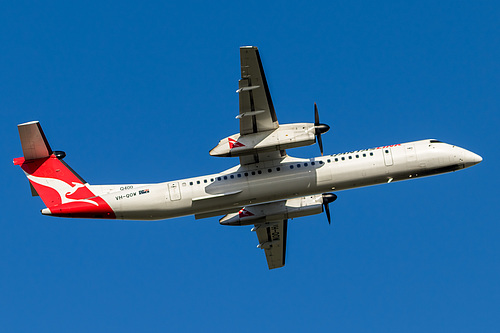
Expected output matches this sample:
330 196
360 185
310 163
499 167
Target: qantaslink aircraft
265 189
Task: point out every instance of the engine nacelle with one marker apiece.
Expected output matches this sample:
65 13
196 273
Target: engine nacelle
284 137
275 211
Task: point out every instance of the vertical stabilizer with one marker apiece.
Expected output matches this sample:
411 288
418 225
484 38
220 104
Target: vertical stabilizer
62 190
33 141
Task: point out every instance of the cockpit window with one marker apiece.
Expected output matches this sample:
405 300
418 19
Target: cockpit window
435 141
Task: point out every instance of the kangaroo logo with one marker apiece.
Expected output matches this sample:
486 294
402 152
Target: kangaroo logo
62 188
244 213
234 144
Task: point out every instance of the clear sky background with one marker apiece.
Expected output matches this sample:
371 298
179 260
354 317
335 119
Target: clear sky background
139 92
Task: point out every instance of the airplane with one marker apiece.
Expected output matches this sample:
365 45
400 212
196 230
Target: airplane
266 189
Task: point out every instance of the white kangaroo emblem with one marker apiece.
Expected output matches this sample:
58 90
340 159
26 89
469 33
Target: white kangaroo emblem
62 188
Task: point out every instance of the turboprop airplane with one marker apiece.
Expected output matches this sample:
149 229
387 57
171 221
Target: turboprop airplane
265 189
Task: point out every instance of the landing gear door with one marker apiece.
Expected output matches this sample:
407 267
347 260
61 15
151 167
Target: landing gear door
174 191
388 156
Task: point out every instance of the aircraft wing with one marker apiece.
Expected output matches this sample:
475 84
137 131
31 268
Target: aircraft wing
270 220
272 239
256 106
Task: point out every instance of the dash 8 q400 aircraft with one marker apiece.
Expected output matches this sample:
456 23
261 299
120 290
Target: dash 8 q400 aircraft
265 189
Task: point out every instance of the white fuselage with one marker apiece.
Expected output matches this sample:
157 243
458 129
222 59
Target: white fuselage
226 192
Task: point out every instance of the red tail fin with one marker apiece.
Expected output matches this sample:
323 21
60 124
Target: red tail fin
63 191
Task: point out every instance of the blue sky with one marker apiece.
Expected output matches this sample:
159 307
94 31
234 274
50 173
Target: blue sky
140 92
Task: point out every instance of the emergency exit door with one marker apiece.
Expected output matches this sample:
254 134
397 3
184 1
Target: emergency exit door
174 191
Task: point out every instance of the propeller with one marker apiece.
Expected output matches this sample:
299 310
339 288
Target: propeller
319 128
327 199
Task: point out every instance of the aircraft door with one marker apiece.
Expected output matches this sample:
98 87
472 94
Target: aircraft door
388 156
174 191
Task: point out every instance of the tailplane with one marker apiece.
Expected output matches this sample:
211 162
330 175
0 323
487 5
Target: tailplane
62 190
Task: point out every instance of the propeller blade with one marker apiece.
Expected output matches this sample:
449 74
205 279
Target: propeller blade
319 128
327 199
327 211
316 115
320 143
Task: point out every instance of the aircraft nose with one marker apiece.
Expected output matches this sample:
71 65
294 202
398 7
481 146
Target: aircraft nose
471 158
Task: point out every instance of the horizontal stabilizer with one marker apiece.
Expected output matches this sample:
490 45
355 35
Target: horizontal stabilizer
33 141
